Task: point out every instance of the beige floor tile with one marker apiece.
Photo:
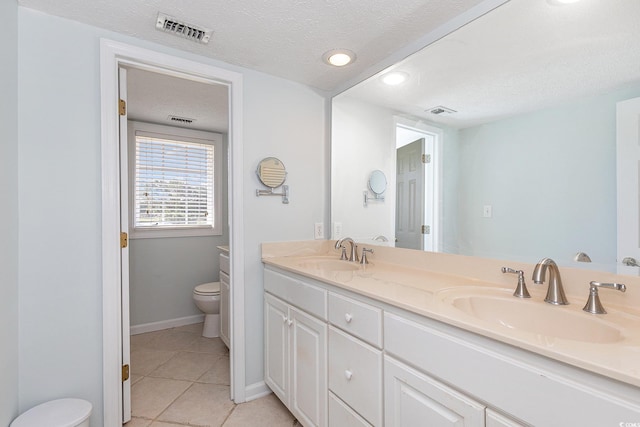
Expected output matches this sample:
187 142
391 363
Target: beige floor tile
195 328
138 422
201 405
219 372
141 340
267 411
207 345
135 378
161 424
145 360
185 366
151 396
167 339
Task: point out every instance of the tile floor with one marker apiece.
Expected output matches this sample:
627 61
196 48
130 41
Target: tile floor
180 378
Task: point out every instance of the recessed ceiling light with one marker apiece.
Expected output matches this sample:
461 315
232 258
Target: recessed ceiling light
339 57
395 78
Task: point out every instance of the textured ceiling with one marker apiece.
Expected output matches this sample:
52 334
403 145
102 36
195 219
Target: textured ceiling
282 38
523 56
153 97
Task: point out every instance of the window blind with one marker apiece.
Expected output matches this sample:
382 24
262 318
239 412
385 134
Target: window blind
174 183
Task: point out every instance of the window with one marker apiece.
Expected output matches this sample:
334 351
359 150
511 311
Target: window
174 181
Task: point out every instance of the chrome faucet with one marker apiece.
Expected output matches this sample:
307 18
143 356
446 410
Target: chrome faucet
354 249
555 292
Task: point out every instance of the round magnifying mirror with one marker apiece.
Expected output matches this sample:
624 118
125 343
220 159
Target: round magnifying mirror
271 172
377 182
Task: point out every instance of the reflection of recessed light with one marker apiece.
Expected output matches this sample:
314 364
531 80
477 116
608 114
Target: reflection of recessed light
339 57
395 78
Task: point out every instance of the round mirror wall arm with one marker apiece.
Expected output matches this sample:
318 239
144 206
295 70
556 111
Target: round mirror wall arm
270 192
368 198
272 174
377 184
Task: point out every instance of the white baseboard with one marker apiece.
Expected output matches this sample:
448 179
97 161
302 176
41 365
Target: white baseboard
166 324
256 391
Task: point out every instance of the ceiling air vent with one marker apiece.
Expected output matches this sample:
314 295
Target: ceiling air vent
440 110
182 120
169 24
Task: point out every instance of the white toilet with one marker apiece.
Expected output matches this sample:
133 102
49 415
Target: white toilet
207 298
56 413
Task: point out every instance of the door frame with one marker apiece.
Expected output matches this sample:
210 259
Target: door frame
112 56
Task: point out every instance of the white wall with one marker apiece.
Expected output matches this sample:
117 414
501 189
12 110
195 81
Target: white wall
9 213
365 135
287 121
59 121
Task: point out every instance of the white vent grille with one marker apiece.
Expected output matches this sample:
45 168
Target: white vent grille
440 110
183 120
169 24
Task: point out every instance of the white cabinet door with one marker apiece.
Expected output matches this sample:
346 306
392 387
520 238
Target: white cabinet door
276 339
415 399
224 307
308 342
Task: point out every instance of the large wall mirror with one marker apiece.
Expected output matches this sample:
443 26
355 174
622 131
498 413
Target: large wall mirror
515 117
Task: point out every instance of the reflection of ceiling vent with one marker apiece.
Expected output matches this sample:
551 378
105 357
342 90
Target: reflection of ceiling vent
440 110
192 32
183 120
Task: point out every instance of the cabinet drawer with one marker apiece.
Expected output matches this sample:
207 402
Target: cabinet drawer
224 263
359 319
341 415
355 374
309 298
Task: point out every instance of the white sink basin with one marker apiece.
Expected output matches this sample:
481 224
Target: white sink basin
535 317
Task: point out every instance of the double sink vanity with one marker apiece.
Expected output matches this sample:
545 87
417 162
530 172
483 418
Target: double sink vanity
421 338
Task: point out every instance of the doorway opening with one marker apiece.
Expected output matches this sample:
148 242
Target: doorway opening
115 56
174 178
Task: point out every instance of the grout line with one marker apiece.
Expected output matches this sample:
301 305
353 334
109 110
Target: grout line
233 409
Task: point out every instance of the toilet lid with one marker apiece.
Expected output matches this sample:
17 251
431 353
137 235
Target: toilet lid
211 288
56 413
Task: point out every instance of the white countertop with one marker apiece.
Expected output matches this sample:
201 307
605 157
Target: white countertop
425 283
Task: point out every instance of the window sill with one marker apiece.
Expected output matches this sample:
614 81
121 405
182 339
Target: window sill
173 232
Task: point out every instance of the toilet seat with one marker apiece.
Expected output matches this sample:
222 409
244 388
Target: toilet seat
211 288
56 413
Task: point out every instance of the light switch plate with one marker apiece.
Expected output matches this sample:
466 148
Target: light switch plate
318 231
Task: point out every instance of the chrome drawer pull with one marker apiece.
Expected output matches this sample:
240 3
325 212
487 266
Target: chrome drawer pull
348 317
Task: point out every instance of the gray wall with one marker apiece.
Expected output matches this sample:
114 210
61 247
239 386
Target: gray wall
164 271
9 213
550 176
59 147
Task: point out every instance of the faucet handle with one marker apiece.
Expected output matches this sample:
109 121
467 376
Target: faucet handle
363 259
521 290
593 305
343 255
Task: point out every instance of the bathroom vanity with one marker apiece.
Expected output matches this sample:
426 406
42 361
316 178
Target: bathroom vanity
394 344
